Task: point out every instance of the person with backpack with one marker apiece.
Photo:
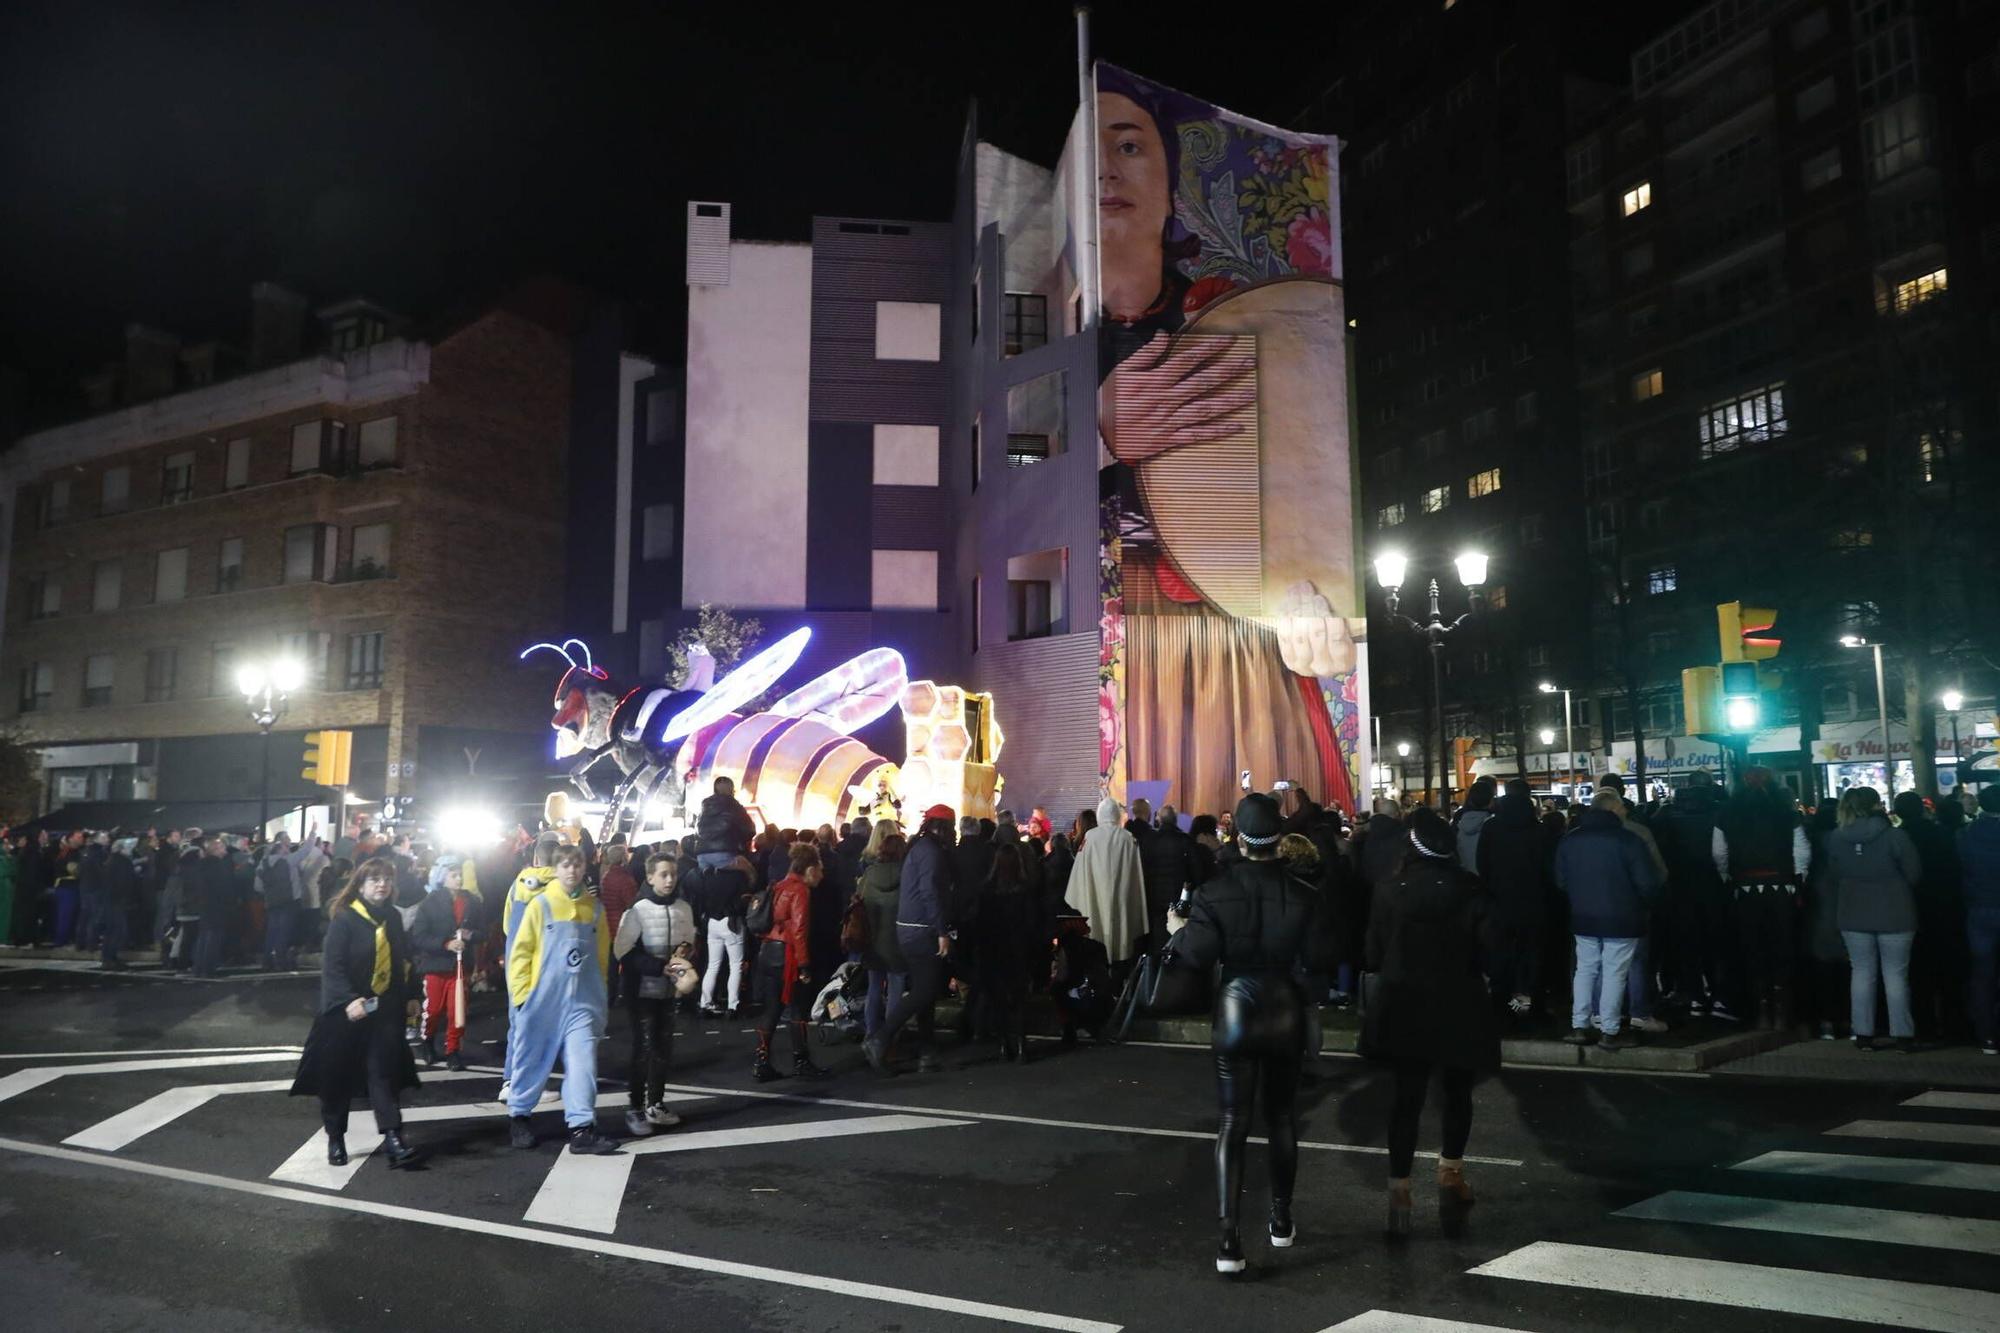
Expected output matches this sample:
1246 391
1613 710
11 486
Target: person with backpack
781 918
720 890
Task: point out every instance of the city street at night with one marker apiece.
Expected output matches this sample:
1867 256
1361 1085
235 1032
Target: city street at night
157 1177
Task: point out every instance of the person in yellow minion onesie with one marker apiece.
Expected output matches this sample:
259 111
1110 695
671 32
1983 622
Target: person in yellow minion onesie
558 961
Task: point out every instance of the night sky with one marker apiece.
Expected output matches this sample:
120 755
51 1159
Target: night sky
157 159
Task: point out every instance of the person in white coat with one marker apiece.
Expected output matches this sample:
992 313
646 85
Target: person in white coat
655 932
1108 886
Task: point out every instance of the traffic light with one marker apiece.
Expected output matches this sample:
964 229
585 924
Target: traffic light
1701 700
1741 629
327 756
1741 710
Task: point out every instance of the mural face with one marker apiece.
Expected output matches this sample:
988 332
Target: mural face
1230 609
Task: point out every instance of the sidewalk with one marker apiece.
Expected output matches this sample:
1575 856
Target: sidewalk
1939 1066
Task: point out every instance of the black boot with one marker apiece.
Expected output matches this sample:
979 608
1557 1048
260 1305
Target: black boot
802 1062
1283 1232
519 1132
761 1069
454 1061
431 1049
398 1152
336 1149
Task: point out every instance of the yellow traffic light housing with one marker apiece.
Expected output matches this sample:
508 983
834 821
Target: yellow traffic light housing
327 757
1701 700
1741 630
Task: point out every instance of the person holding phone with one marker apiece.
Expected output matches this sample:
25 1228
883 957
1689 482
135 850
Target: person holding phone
356 1046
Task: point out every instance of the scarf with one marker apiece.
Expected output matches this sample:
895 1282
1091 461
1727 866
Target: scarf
379 982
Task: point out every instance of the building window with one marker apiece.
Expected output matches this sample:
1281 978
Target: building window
1524 352
117 489
1661 578
170 575
378 442
309 647
1385 415
107 585
1648 384
229 565
1638 197
45 597
1431 446
1024 450
1390 515
1482 483
1035 419
1810 29
1026 321
1581 172
1930 459
907 331
99 671
1894 139
55 501
177 479
1600 459
1913 293
906 455
369 554
1652 515
656 528
308 444
905 580
1885 51
1435 500
308 553
1480 425
1475 370
1813 99
221 669
1496 597
1035 594
162 668
1747 418
1427 339
1537 654
1637 260
1641 320
1821 168
364 662
1527 408
1431 389
236 469
38 686
1531 530
1387 464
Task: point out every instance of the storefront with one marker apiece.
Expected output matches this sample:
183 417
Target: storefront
1672 761
1849 754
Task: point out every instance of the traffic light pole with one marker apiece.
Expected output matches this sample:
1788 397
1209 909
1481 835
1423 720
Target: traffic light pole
1882 710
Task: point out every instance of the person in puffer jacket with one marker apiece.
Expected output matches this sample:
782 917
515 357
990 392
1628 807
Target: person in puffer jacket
1610 880
1979 860
446 922
1872 871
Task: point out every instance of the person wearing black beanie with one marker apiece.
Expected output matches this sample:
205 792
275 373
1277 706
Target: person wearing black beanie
1263 926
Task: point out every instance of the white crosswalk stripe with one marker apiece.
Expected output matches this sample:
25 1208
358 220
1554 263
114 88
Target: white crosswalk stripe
1887 1226
164 1108
1921 1131
1867 1300
1956 1101
1387 1321
24 1080
1882 1170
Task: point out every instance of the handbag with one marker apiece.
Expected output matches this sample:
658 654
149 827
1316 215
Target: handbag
1164 986
757 916
854 927
656 988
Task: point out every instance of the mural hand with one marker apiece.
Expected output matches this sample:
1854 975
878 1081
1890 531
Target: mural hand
1312 639
1190 391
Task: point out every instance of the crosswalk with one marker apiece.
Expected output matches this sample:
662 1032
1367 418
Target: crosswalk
1819 1292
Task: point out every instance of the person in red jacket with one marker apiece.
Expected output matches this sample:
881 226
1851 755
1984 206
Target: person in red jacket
784 964
617 889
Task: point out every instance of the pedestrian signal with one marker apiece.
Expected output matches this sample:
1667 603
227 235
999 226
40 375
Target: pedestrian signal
1741 631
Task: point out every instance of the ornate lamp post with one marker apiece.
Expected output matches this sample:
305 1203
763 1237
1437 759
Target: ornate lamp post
267 688
1390 569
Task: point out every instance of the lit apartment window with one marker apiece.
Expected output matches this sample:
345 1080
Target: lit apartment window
1916 291
99 671
1661 578
1747 418
1482 483
364 662
1388 516
177 478
38 686
1638 197
162 669
107 585
1436 499
1496 597
1648 384
310 648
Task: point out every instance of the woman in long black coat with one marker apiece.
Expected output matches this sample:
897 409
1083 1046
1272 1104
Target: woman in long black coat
1428 1011
356 1046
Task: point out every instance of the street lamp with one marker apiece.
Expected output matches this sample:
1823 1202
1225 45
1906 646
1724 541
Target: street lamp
1569 735
1881 702
267 688
1548 735
1953 701
1391 567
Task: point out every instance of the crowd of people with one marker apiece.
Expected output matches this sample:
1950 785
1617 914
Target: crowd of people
1735 907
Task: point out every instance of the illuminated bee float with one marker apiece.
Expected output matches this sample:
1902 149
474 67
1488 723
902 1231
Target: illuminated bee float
651 754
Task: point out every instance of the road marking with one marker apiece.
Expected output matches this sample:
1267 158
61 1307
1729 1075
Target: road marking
178 1050
164 1108
1974 1235
1956 1101
24 1080
585 1193
1921 1131
1884 1170
1205 1136
1388 1321
1868 1300
1522 1066
597 1245
308 1166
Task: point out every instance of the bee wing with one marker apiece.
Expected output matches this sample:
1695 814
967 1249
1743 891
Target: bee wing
740 686
851 695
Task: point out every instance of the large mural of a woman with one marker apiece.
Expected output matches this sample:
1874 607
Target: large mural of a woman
1227 560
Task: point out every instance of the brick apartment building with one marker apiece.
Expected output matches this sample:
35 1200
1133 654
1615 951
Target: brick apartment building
385 509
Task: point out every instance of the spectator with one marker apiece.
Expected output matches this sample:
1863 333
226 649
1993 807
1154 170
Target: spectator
784 964
723 827
853 846
1604 871
209 892
1979 862
1701 941
924 927
617 890
1873 870
1516 857
1471 821
658 929
121 900
1108 886
446 922
1938 964
881 890
1826 955
1168 867
1759 848
1008 949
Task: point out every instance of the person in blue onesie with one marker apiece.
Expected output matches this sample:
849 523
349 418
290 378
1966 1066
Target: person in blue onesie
558 959
528 885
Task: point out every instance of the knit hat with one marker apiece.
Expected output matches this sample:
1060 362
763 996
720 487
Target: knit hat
1258 822
939 811
444 865
1431 836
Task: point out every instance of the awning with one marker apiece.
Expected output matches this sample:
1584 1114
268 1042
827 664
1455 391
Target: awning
138 816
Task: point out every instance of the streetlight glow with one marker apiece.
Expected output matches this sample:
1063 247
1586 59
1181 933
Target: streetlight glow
1403 749
1546 687
287 674
250 679
1548 735
1853 641
1390 567
1952 701
1471 568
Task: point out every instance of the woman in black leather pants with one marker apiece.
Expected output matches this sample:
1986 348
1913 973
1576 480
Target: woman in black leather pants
1259 922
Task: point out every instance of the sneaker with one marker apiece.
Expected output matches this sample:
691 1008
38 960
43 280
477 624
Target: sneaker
519 1132
1229 1254
877 1055
1284 1232
710 1011
1826 1032
585 1141
1990 1048
1613 1041
1699 1006
1579 1037
636 1123
1723 1012
660 1117
1652 1025
454 1061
